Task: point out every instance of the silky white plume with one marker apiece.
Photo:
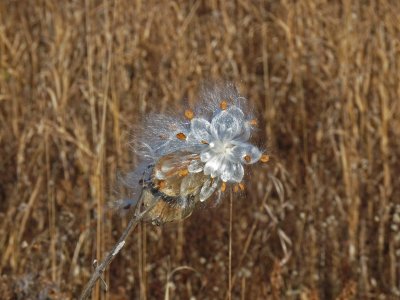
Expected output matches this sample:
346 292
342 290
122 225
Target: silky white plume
217 132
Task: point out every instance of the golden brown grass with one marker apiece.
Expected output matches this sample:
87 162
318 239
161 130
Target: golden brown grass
321 221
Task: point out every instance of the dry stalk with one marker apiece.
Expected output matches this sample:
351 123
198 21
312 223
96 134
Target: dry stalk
230 245
115 250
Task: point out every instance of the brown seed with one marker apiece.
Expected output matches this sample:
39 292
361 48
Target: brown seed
204 142
253 122
223 187
181 136
223 105
264 158
189 114
183 172
247 158
161 184
241 186
236 188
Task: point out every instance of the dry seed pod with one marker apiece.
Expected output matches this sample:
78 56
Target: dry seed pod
203 153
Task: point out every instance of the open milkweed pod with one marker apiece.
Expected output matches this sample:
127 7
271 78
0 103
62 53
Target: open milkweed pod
200 155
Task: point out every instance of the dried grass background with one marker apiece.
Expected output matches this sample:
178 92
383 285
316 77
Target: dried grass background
321 221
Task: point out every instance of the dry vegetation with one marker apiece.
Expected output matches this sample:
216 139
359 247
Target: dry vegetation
319 222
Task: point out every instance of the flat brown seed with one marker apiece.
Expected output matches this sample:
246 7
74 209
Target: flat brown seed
253 122
181 136
264 158
241 186
223 187
189 114
236 188
204 142
161 184
183 172
223 105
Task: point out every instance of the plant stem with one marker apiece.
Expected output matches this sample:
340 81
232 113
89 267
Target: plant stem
115 250
230 244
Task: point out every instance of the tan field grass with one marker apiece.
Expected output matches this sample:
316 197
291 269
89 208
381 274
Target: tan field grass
321 221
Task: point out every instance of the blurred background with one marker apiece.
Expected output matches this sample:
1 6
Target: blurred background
320 221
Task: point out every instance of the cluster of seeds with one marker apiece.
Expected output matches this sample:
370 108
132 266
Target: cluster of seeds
222 145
